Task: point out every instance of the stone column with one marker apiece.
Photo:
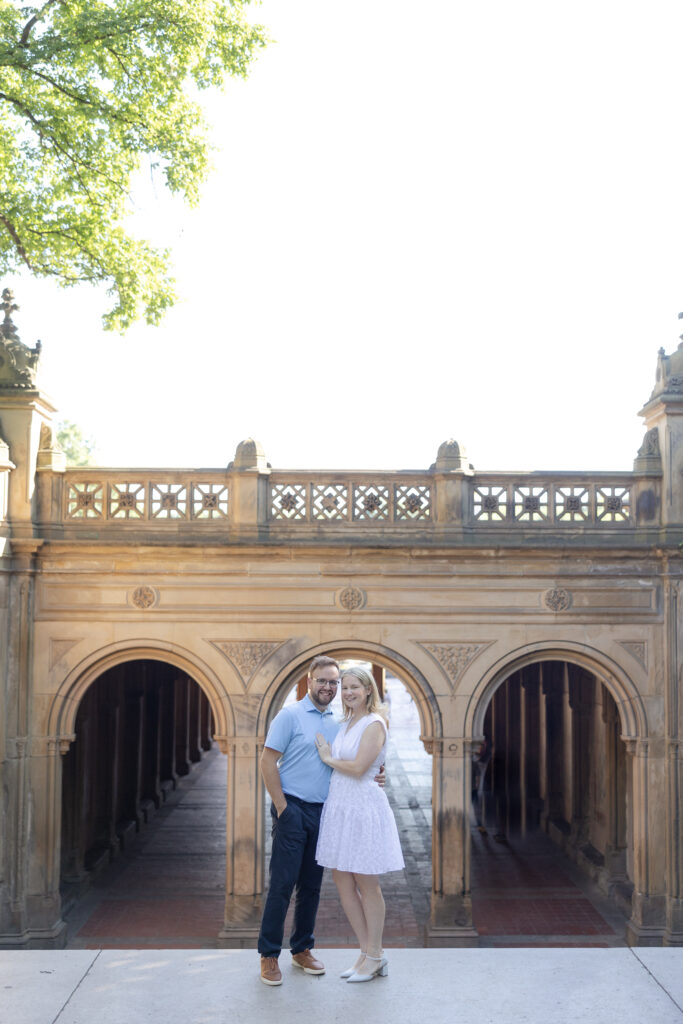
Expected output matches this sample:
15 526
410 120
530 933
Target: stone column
674 752
244 841
674 900
182 728
615 772
451 906
648 905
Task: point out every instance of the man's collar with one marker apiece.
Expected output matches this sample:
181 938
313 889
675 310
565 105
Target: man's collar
310 706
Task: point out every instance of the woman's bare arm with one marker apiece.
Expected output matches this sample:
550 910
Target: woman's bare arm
371 742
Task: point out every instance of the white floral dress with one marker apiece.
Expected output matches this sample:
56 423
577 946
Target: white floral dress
357 828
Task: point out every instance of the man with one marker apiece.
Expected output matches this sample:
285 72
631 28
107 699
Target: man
297 782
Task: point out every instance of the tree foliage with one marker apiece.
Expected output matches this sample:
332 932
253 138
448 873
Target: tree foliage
79 450
88 89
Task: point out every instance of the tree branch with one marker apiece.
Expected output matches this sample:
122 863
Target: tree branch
17 241
36 17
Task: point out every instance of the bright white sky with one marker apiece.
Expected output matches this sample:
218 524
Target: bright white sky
447 219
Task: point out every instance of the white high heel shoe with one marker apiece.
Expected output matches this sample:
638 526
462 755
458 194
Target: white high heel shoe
380 971
352 970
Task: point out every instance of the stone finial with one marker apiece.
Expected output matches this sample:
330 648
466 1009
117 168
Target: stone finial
452 457
18 363
669 376
249 454
649 458
7 329
50 454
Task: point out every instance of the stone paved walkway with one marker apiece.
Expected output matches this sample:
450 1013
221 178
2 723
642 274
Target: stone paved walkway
167 891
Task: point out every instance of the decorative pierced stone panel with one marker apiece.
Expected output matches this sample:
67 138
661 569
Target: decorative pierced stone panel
209 501
85 500
530 504
352 501
129 500
551 503
490 504
330 501
572 504
412 502
370 501
288 501
613 504
168 501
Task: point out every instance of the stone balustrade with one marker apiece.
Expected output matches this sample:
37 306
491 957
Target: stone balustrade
297 505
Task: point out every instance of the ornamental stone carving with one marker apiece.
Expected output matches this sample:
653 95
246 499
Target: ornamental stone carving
352 598
145 597
557 599
637 649
18 363
246 656
454 658
59 647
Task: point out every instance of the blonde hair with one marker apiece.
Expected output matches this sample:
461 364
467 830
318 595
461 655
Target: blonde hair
374 703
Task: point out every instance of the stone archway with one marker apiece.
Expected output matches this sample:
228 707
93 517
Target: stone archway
574 754
246 796
61 728
141 726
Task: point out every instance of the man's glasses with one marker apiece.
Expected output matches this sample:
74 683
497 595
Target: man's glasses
326 682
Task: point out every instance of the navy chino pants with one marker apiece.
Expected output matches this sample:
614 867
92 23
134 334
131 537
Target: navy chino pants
293 868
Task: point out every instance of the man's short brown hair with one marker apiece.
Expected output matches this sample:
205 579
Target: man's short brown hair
321 661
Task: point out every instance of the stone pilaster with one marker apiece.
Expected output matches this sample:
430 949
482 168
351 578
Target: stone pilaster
244 840
451 910
648 905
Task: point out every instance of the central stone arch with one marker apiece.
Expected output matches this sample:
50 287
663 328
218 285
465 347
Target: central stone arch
414 680
246 793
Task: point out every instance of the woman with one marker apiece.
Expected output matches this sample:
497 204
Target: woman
358 835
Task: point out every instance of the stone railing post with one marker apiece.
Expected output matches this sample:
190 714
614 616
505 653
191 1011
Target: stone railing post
451 491
249 488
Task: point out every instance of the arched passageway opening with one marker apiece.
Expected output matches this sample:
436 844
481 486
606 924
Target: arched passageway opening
140 727
553 767
409 789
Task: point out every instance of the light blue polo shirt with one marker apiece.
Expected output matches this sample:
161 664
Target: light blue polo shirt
292 732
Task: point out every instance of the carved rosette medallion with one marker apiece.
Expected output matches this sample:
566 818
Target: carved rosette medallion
557 599
351 599
454 658
246 656
145 597
637 649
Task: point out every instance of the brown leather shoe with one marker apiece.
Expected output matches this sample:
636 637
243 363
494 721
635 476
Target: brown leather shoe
307 962
270 972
